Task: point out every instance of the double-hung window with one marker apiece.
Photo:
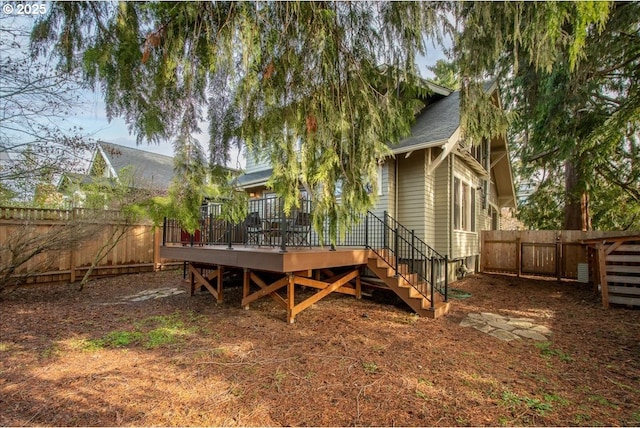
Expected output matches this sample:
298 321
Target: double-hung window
464 206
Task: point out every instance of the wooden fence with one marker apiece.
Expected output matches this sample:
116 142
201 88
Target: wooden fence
137 251
553 253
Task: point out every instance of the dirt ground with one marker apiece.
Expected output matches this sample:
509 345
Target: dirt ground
110 355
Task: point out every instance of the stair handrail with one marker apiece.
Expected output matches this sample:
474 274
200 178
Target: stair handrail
391 226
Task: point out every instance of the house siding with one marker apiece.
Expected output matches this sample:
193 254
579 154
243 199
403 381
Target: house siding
386 200
442 207
412 206
255 164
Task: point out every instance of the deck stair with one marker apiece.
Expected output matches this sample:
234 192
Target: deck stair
403 286
409 267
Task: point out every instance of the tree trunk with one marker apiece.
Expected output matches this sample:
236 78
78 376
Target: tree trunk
576 209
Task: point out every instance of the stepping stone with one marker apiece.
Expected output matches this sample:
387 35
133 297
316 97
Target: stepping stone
484 328
520 324
493 317
470 322
531 320
530 334
541 329
504 335
501 324
475 316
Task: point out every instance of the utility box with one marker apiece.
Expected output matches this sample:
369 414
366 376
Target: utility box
583 273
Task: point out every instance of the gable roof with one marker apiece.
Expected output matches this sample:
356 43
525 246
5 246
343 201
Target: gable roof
153 170
433 125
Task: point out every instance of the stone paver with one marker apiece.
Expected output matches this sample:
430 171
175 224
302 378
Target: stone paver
504 335
530 334
485 328
541 329
506 328
520 324
157 293
501 325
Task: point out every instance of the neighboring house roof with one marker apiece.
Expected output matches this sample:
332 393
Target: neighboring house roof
153 170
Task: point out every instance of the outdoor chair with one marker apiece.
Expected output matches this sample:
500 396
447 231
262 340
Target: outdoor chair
254 229
299 230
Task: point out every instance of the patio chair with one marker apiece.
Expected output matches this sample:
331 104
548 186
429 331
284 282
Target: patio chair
299 230
254 229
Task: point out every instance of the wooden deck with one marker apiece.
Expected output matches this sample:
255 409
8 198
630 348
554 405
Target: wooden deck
267 258
308 267
268 270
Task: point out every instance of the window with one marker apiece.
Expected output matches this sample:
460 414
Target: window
464 206
457 222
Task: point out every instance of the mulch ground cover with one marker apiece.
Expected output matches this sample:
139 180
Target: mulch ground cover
120 352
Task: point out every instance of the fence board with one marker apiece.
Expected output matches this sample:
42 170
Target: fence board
134 253
539 252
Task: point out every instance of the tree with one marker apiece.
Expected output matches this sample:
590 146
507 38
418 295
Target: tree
308 75
446 73
570 73
34 99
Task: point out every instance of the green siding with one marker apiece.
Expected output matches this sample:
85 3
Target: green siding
442 206
412 197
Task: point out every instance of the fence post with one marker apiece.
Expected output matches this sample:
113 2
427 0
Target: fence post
164 232
559 256
156 249
518 256
72 254
483 248
229 235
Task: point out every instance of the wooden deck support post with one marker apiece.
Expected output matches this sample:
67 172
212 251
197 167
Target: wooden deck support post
602 274
290 298
519 256
192 281
246 286
358 287
219 284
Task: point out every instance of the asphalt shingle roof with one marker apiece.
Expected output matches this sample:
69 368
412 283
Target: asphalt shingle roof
436 122
152 170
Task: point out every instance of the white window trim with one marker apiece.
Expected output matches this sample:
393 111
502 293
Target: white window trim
471 196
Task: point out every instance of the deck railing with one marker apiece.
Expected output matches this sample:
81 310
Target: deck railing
266 225
408 255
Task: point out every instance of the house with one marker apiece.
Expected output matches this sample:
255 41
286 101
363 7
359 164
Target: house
436 184
152 171
433 197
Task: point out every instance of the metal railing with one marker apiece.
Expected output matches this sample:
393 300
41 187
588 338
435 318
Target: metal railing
267 225
408 255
